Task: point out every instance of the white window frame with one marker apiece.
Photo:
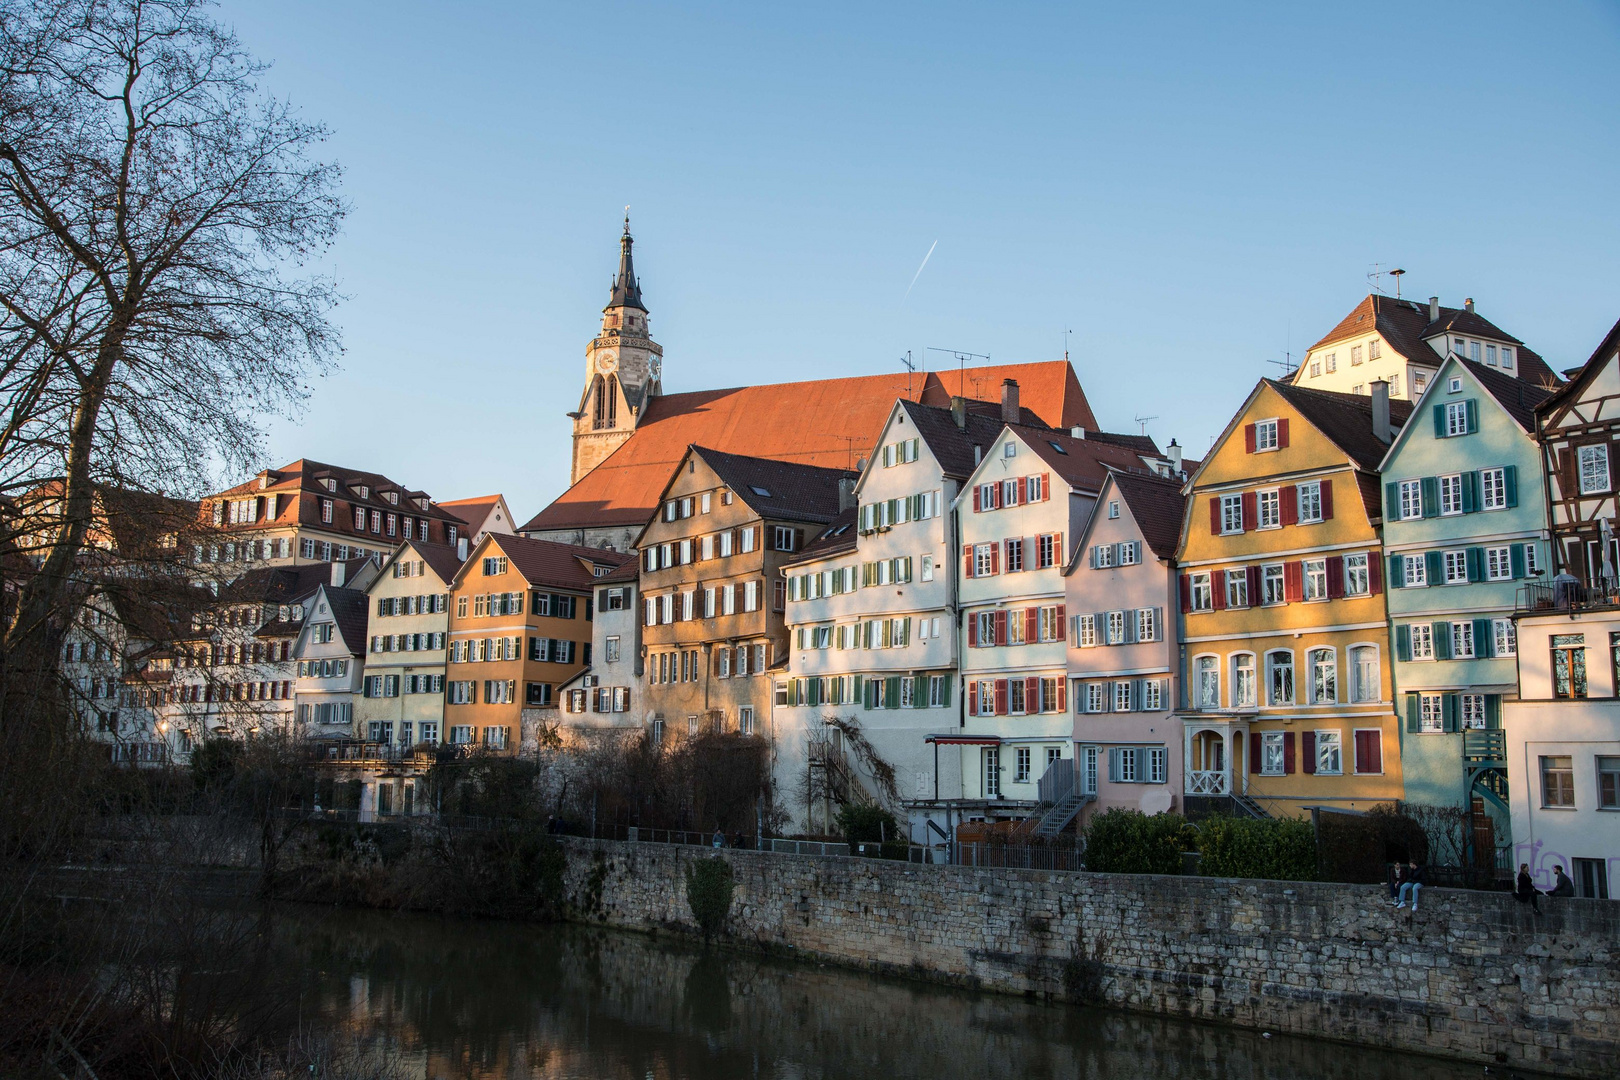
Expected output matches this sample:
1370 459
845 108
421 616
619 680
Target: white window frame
1265 435
1454 566
1411 494
1592 468
1245 691
1231 515
1493 489
1201 592
1421 636
1462 640
1499 563
1273 753
1451 494
1309 501
1207 681
1268 509
1358 574
1330 748
1313 574
1456 419
1505 637
1414 571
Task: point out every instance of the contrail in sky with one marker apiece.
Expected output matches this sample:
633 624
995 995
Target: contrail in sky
918 274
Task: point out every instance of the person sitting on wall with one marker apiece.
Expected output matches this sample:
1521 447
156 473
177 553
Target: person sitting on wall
1562 886
1525 891
1395 872
1411 882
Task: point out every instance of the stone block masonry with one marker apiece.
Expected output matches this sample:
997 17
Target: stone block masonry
1473 976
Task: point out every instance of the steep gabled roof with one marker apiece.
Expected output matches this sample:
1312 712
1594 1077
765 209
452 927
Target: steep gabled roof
829 423
1516 396
953 447
351 612
546 562
440 558
1406 326
630 571
472 512
1346 419
1083 463
1158 506
838 538
779 490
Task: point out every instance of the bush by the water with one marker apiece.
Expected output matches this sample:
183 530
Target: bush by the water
1125 841
708 893
1282 849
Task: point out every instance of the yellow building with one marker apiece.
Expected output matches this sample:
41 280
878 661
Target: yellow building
1288 702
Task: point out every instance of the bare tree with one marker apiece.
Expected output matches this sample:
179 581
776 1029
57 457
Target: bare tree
156 210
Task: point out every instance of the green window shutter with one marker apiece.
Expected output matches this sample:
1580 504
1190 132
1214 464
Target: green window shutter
1439 421
1516 560
1434 567
1431 497
1450 705
799 635
1392 502
1412 713
919 692
1510 484
860 689
1484 639
945 694
1493 711
1473 415
1442 641
1397 575
1474 558
1470 492
1403 642
891 692
870 698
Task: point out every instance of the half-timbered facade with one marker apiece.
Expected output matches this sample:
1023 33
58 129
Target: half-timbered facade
1580 436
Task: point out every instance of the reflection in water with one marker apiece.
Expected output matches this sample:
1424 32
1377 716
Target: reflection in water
498 1000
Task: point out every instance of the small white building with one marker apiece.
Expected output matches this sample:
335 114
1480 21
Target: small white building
330 652
607 692
1563 738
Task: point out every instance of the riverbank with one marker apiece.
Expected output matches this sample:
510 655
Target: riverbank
1472 976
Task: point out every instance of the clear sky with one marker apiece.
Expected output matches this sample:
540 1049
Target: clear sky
1192 189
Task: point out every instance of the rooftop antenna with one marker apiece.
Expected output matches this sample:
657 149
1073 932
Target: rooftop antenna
849 442
962 358
1396 274
1286 363
911 369
1067 334
1143 422
1374 277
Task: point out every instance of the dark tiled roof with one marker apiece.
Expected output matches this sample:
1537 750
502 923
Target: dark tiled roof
564 566
779 490
351 611
953 447
298 484
1158 505
1083 463
630 571
1141 443
1345 418
1406 326
838 537
1600 356
1518 397
441 558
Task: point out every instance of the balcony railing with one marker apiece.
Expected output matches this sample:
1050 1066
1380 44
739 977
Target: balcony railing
1569 595
1485 744
1206 782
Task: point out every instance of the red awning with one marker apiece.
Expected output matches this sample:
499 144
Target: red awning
965 740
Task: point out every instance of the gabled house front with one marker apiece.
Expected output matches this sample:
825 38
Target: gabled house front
331 653
402 697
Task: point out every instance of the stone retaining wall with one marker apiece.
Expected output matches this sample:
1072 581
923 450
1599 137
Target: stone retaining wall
1472 975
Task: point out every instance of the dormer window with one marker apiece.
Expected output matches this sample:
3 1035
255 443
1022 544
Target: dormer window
331 485
365 492
393 498
1507 358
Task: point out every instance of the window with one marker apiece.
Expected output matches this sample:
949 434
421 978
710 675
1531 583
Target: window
1237 588
1315 571
1357 581
746 541
1462 640
1122 696
1152 694
1102 556
1333 361
1270 503
1365 684
1594 468
1046 550
992 772
1272 753
1493 489
1324 677
1231 514
1451 495
1608 769
1569 665
1130 553
1113 508
984 560
1456 567
1116 628
1207 682
1473 712
785 538
1394 386
1272 588
1310 502
1201 593
1473 351
1431 713
1507 358
1316 368
1243 686
1557 781
1015 555
1375 349
1094 697
1414 571
1505 637
927 569
1265 435
1355 355
494 566
1329 753
1147 623
1280 664
1085 630
1422 641
1411 493
1369 752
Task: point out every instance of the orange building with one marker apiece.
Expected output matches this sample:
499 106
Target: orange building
520 625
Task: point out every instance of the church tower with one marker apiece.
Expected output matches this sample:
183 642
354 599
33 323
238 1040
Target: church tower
622 369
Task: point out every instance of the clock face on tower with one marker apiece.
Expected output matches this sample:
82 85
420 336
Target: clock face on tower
607 363
655 367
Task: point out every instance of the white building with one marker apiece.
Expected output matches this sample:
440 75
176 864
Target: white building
330 652
402 695
607 693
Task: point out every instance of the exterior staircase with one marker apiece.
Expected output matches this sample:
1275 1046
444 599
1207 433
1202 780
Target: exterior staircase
1247 807
1060 800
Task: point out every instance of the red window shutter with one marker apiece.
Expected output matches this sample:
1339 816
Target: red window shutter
1369 751
1217 589
1307 748
977 491
1375 573
1063 695
1327 499
1288 753
967 560
995 497
1293 582
1032 694
1248 438
1062 617
1335 576
1057 549
1186 593
1001 627
1282 433
995 558
1290 505
1251 514
973 630
1001 697
1254 586
1215 516
1254 751
1046 486
1032 624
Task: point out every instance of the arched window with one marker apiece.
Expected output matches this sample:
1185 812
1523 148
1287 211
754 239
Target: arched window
1243 684
599 417
1365 683
1324 677
1280 666
1207 682
611 393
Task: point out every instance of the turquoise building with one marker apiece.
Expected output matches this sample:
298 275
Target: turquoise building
1464 524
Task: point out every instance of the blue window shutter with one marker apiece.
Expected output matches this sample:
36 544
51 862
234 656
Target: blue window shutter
1474 558
1431 497
1403 642
1510 484
1397 572
1435 568
1484 640
1450 705
1439 421
1473 415
1470 492
1516 560
1442 640
1392 502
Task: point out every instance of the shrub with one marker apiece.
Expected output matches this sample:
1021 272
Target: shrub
867 823
708 893
1281 850
1125 841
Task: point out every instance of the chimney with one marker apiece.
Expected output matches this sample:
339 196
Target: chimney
1380 410
1434 309
340 571
846 493
461 548
1468 305
1010 413
1077 432
1174 451
959 412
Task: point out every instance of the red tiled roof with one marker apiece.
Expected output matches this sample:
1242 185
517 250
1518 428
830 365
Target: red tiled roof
1406 325
471 511
545 562
299 485
830 423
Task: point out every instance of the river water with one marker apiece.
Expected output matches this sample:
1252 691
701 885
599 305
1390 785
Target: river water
458 999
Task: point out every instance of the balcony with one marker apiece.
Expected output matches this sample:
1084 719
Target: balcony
1206 782
1568 596
1485 745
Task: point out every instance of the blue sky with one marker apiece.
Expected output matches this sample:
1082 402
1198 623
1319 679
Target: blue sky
1191 189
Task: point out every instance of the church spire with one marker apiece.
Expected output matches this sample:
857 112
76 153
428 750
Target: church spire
626 290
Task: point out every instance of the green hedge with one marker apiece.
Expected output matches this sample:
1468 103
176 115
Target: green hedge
1125 841
1279 849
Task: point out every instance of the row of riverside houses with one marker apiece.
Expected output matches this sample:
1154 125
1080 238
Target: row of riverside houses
1366 592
